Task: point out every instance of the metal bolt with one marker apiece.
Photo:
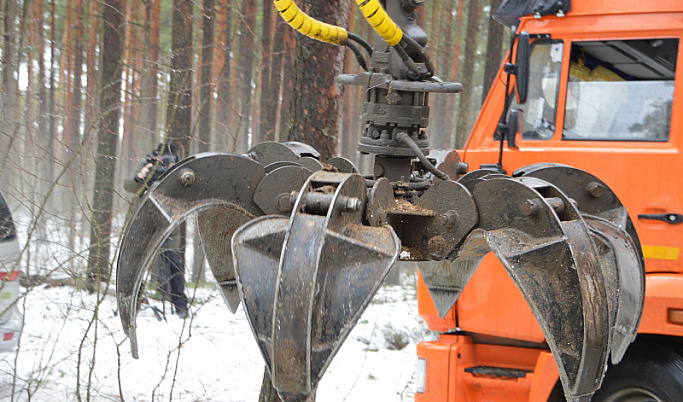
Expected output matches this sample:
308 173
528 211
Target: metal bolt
450 218
530 207
437 246
187 177
284 203
595 189
352 204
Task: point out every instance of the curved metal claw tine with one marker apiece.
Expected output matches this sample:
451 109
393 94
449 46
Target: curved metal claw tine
316 274
625 286
199 183
446 279
216 227
591 195
553 260
619 246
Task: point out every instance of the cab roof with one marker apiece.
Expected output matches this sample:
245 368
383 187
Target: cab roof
510 11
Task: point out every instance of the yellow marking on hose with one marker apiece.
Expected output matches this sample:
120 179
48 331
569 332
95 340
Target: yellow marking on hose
309 26
662 253
380 21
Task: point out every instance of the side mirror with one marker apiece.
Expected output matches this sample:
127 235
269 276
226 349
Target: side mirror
522 66
514 127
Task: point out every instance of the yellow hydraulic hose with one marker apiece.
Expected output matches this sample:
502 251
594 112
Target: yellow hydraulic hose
380 21
309 26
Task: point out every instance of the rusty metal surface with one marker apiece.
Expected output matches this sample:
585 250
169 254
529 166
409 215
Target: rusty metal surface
310 163
381 199
219 180
627 289
571 273
342 164
273 192
216 227
266 153
305 280
456 215
316 274
451 164
591 194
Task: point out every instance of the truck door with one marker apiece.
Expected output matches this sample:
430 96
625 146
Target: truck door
618 119
617 113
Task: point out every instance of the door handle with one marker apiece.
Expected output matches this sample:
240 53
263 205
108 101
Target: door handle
668 218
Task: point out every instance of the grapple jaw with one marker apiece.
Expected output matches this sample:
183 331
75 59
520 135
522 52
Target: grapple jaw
225 191
581 274
306 280
188 187
307 270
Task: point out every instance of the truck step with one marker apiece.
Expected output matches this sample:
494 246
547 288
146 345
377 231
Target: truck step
497 371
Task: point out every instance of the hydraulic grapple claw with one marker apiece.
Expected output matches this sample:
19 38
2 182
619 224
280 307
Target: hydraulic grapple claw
582 275
306 280
191 186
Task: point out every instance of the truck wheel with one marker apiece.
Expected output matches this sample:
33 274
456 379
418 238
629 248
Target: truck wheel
649 372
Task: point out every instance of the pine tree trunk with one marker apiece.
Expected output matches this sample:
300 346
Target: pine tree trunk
10 96
43 102
179 113
224 99
288 74
52 121
266 130
316 104
110 104
473 17
245 64
494 48
205 103
150 73
442 104
270 125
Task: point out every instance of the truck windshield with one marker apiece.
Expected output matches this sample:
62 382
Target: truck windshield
620 90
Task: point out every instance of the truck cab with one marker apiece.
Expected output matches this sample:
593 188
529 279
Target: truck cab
605 94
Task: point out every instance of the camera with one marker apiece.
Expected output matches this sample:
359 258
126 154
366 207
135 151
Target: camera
161 164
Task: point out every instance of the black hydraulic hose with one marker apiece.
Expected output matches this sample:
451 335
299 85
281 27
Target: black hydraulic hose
358 54
412 44
415 72
361 41
405 138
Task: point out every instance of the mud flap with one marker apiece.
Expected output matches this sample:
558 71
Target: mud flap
223 183
306 280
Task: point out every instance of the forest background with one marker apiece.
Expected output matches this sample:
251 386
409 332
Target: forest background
90 87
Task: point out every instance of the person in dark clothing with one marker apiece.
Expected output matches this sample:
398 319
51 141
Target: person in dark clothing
172 269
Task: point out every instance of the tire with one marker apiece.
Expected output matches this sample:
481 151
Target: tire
651 371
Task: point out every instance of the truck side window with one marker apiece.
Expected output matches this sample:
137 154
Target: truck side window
539 111
7 229
620 90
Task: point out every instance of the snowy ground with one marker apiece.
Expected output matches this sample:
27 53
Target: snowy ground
210 357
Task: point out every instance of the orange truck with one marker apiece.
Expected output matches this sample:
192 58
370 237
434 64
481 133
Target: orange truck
605 94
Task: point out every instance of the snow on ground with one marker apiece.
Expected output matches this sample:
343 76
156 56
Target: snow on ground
211 356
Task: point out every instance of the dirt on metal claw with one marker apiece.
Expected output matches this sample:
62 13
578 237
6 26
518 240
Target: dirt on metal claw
306 280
